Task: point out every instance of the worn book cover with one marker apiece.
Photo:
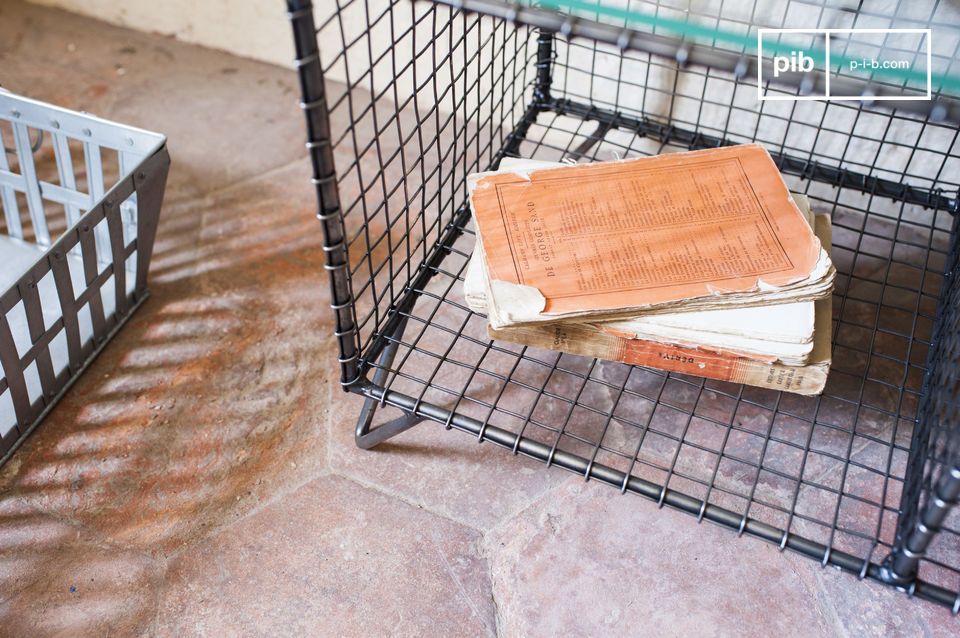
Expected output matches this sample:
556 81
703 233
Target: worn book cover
781 332
776 333
701 229
591 340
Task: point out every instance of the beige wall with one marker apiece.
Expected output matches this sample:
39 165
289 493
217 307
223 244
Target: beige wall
255 29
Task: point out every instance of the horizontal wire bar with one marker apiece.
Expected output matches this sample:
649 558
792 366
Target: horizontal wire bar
739 65
809 169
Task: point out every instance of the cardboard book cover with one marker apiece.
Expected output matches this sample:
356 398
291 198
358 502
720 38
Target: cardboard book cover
592 340
781 332
701 229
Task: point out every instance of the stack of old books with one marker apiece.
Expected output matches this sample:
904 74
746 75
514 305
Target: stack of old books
702 263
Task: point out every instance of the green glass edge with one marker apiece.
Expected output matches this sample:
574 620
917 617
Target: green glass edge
685 28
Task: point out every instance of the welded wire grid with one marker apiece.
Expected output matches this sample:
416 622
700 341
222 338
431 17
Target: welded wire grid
436 97
86 269
936 448
427 95
733 27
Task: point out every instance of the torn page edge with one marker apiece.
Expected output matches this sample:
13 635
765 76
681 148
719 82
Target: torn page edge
516 302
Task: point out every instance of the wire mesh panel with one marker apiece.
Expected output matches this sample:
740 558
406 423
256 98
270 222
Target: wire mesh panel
928 533
80 199
412 116
404 100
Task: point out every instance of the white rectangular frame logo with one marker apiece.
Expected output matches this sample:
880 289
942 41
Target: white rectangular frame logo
826 49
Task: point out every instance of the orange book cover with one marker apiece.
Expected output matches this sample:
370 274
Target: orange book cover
643 232
599 341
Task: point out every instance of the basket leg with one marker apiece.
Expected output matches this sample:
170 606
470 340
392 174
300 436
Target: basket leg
366 436
900 567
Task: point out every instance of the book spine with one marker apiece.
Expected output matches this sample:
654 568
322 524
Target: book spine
585 341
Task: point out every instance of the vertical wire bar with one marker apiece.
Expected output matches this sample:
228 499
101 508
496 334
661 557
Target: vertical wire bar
381 177
61 151
356 167
8 197
149 184
13 373
397 121
11 437
905 561
21 137
128 208
88 250
916 527
115 232
891 258
68 307
94 164
33 309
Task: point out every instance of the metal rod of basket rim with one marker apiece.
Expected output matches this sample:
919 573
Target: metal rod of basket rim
330 214
940 108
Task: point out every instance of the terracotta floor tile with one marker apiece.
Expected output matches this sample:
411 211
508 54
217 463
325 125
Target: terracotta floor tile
586 560
58 580
187 457
334 559
446 472
212 398
245 112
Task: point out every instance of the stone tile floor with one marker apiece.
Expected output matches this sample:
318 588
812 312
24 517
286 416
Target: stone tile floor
201 478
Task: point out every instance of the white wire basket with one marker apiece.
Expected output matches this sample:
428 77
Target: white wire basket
81 199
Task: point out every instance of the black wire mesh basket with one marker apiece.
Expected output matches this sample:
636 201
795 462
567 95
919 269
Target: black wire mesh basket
404 99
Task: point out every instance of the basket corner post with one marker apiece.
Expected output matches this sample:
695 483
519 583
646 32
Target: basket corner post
541 90
901 566
324 179
542 99
932 482
330 214
149 182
